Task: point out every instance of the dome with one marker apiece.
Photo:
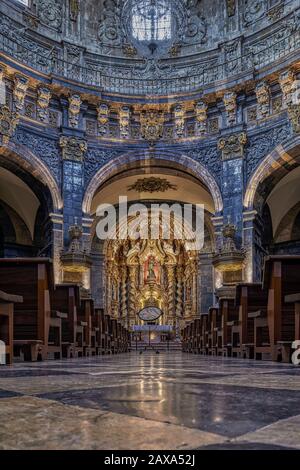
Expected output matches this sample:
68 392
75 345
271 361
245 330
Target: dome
153 26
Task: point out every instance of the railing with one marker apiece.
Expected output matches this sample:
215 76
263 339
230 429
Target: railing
49 64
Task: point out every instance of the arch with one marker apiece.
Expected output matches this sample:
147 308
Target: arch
281 160
183 161
28 161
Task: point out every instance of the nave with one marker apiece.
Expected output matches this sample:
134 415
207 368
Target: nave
163 401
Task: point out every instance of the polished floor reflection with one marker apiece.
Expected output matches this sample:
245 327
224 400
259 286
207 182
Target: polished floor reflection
149 401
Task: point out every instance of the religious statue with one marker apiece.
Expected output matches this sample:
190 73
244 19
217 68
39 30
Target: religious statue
74 10
151 272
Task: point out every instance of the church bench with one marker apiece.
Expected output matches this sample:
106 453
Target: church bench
55 335
31 278
102 347
227 331
124 339
196 337
281 279
114 338
85 313
66 299
184 339
295 300
203 334
108 334
7 302
250 297
215 327
209 331
261 334
97 327
192 335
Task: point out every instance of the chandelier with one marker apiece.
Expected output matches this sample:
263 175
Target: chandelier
153 26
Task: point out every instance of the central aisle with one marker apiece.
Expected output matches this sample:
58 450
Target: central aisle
149 401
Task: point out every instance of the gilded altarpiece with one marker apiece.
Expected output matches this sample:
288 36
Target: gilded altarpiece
151 273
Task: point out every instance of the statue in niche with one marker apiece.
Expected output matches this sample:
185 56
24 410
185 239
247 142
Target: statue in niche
151 269
74 10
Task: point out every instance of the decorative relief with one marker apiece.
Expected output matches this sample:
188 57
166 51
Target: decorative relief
74 110
277 105
260 145
124 122
232 53
213 125
209 157
129 50
196 30
201 118
73 148
152 185
53 119
276 12
8 123
96 158
19 92
152 125
262 91
286 81
73 55
179 120
103 118
30 110
230 104
233 146
254 10
290 89
43 100
46 149
49 12
109 30
252 114
30 20
90 127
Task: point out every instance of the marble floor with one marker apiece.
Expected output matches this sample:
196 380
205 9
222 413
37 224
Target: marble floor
154 402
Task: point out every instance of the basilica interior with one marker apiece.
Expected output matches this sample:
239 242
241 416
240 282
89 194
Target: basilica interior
171 104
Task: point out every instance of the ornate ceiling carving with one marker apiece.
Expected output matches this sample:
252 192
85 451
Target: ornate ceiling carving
152 185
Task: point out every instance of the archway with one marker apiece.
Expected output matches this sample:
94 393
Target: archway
273 196
29 196
115 280
146 162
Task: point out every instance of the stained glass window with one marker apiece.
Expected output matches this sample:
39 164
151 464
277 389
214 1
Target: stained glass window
152 20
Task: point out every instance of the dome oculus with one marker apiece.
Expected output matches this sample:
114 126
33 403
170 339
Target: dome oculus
153 26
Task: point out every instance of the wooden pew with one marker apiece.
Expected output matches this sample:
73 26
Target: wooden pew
215 327
204 335
229 319
103 333
85 313
7 302
295 300
34 319
281 278
97 327
184 339
66 298
250 298
196 336
108 334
